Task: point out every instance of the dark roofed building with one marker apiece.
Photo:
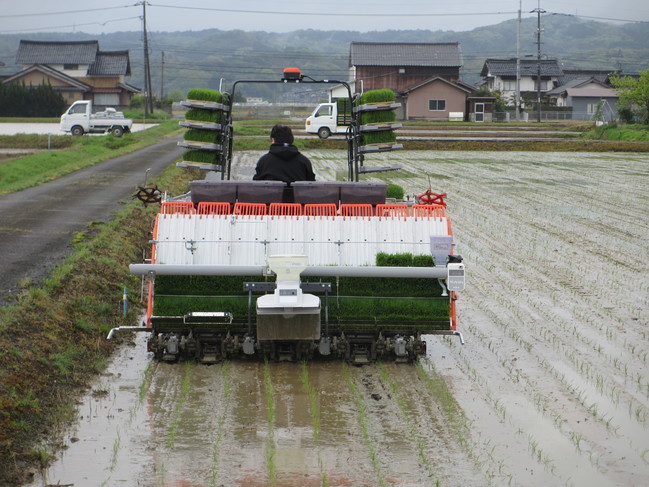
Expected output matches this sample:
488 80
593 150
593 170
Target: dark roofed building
500 76
111 63
54 52
582 74
399 65
79 70
425 76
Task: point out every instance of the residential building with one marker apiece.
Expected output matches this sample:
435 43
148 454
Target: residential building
500 76
424 76
79 70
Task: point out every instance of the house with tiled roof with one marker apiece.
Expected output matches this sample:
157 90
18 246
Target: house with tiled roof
500 76
79 70
424 76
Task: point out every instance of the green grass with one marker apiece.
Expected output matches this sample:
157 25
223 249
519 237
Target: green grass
35 141
138 116
25 172
30 119
620 132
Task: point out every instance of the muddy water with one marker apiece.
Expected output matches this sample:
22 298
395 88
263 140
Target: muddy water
254 424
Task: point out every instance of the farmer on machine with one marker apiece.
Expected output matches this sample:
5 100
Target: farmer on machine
283 162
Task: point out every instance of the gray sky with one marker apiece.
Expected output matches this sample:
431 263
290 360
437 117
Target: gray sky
96 17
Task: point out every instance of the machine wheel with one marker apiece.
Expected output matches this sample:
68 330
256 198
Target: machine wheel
324 132
117 131
77 130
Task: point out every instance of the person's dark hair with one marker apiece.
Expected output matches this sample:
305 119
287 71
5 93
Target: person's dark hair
282 134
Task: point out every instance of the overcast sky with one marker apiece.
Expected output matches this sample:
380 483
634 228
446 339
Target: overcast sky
96 17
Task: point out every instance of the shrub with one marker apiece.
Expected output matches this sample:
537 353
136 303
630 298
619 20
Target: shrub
395 191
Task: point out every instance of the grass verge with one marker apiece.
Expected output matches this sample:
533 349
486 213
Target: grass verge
76 153
620 132
52 340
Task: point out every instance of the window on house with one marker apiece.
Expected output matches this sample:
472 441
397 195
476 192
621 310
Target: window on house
70 66
591 108
437 105
544 85
106 99
509 85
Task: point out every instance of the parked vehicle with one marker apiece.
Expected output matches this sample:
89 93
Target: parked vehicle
329 118
79 120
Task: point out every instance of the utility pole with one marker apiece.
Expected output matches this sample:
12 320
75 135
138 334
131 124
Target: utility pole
538 12
162 76
148 102
517 102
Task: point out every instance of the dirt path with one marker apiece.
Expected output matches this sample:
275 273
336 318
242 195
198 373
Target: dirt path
37 224
551 388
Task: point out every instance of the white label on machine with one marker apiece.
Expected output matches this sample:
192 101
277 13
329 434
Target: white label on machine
455 280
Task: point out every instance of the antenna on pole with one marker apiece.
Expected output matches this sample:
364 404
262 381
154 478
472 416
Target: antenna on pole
538 12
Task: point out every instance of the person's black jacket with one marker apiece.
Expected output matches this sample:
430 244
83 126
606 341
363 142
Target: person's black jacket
283 162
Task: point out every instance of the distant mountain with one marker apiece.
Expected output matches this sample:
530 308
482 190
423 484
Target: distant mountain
210 58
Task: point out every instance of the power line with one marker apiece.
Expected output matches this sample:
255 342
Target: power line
332 14
600 18
64 12
72 26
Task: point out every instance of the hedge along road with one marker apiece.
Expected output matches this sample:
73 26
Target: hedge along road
38 224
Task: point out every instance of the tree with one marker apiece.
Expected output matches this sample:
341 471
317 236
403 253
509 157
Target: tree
634 92
19 100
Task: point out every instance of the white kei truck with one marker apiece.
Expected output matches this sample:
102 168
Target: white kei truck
329 118
79 120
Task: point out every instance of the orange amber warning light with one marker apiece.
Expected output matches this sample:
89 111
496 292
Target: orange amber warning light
292 74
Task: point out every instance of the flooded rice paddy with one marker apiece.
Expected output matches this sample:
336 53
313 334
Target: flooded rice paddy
551 387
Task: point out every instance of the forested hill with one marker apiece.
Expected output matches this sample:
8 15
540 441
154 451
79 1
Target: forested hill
210 57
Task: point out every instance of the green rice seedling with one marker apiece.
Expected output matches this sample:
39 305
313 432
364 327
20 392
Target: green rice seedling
184 391
378 116
199 135
201 156
362 419
204 94
115 455
225 369
395 191
200 115
313 401
412 426
270 417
